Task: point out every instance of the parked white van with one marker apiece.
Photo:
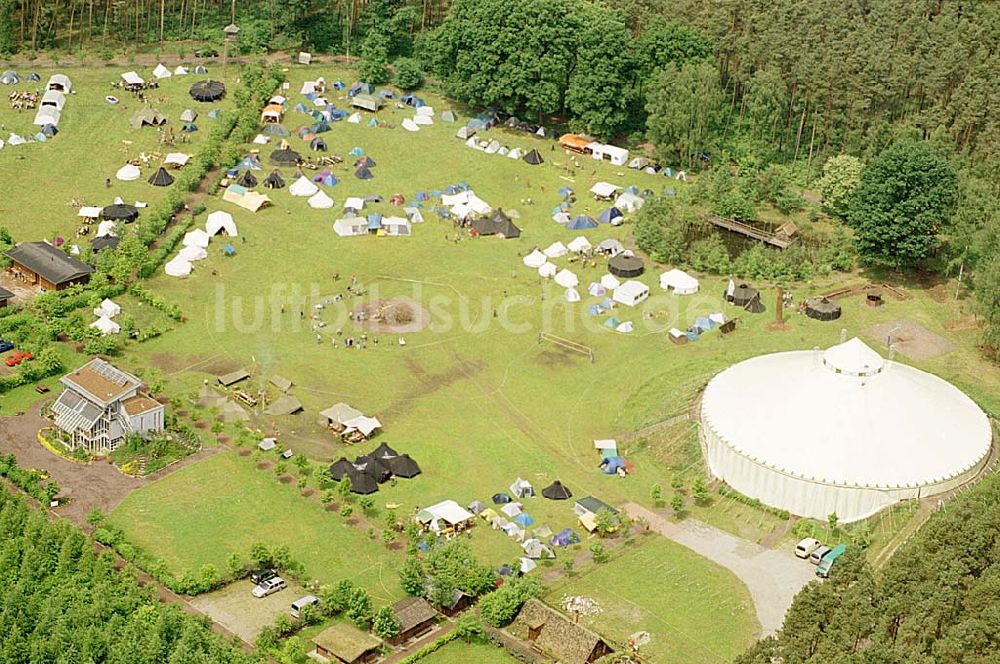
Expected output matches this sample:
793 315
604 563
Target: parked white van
299 604
806 547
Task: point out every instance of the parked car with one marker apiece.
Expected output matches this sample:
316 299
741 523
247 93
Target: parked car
823 569
271 586
258 576
206 53
5 346
818 554
18 357
806 547
301 603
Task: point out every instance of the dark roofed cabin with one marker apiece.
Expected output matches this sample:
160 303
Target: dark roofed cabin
41 264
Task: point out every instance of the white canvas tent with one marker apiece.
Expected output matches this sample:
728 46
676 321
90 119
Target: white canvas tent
547 270
350 227
107 308
47 115
181 70
161 72
106 228
59 83
610 153
567 279
219 222
410 125
425 110
422 120
516 153
320 201
555 250
629 202
193 253
196 238
54 98
106 326
572 295
578 244
679 281
534 260
178 267
631 293
128 173
355 118
303 187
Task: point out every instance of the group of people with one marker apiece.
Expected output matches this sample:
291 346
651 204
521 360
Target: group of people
21 100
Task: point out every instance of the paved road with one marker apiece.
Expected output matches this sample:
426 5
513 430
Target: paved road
773 577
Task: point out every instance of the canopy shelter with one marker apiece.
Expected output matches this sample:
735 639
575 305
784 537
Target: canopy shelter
625 266
120 212
176 159
557 491
161 178
361 482
207 91
821 308
604 191
286 157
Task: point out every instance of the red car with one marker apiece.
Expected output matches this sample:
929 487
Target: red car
18 357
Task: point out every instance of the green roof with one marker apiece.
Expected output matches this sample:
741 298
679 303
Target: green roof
346 641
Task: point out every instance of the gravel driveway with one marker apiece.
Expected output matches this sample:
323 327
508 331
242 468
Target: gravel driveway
773 577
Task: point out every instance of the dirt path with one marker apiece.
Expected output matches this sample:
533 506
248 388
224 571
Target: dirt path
772 577
445 629
88 485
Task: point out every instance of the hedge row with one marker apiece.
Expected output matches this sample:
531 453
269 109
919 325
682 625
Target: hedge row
430 648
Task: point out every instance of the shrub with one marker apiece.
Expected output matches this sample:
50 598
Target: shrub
409 74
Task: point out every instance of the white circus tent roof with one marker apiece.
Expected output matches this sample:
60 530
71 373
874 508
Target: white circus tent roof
842 431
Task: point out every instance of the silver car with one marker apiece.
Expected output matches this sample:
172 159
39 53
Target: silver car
269 586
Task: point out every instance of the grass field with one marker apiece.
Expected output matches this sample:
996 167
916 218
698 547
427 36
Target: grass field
222 505
460 652
693 610
475 397
94 141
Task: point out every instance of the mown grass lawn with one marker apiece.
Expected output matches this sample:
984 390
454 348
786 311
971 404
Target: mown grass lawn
94 141
223 505
695 611
460 652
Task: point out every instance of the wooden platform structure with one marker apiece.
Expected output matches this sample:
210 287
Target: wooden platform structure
782 238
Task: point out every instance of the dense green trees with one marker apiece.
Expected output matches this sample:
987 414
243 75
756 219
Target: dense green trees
684 106
935 600
63 603
904 198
